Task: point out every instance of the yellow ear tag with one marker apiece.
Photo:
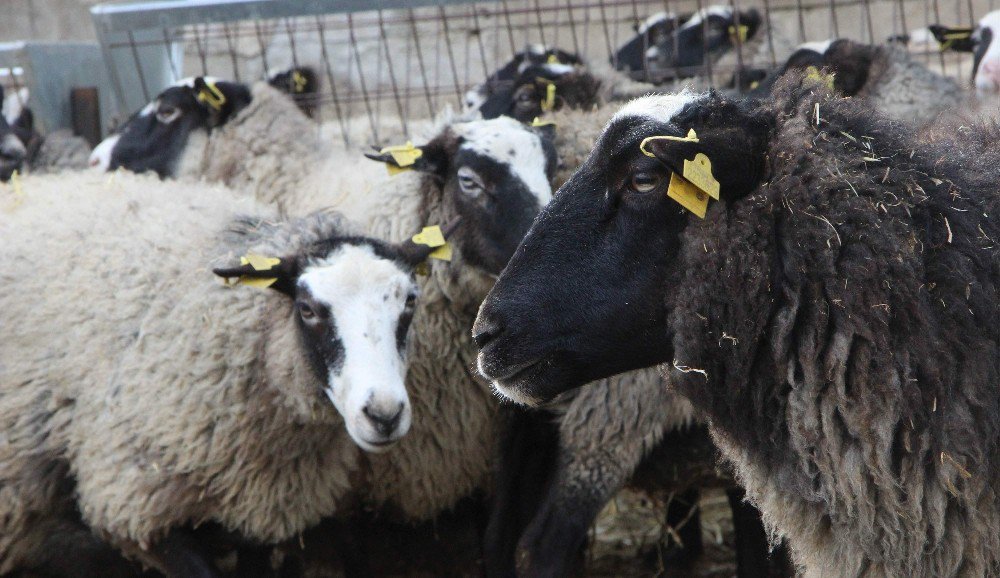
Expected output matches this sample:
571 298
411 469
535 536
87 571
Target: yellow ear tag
538 123
403 155
553 59
255 282
211 95
952 36
699 173
691 137
812 73
754 85
442 253
689 196
549 104
740 32
430 236
259 262
299 82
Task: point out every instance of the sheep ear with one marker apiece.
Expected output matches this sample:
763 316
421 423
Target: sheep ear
429 158
956 39
220 99
280 274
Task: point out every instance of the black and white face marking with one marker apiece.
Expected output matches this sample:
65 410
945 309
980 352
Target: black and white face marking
158 137
354 308
986 54
12 150
582 297
654 31
519 87
498 181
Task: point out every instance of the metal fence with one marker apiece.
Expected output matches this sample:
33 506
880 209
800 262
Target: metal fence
384 63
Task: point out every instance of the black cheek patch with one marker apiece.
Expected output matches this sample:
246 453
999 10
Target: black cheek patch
402 329
324 348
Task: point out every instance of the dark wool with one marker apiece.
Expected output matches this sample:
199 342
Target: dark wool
839 327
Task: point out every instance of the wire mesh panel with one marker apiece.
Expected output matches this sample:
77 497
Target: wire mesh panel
383 65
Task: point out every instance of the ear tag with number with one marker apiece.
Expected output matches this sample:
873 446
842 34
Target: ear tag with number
433 237
699 173
689 196
259 263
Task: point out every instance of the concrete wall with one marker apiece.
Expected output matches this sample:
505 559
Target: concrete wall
46 20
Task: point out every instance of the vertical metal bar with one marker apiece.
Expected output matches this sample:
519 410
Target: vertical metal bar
479 41
802 23
138 66
738 73
834 23
538 19
232 51
607 35
902 17
937 18
263 48
706 58
361 76
420 62
201 50
109 65
770 36
572 27
392 74
868 17
291 42
451 54
510 28
329 78
170 57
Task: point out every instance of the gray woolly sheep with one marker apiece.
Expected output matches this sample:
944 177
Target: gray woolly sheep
885 75
834 315
170 399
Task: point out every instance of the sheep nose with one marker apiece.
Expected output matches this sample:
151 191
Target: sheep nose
485 330
384 422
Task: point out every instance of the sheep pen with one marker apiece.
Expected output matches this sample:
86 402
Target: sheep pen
834 315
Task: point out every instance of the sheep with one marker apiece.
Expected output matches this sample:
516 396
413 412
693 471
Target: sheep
58 150
493 174
833 315
125 318
978 41
885 75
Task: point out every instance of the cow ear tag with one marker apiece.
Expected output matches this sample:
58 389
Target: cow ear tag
688 195
699 173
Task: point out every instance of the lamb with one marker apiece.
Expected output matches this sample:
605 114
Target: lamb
156 389
492 174
833 315
885 75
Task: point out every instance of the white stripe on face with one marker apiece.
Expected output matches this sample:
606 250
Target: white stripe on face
507 141
661 107
817 47
100 157
723 11
365 295
653 21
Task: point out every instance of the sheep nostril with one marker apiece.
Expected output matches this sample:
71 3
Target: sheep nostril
385 423
485 331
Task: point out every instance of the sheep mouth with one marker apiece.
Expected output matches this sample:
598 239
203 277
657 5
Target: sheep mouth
518 384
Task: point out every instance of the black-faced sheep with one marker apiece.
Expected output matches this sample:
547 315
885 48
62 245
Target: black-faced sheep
834 315
172 400
55 151
983 41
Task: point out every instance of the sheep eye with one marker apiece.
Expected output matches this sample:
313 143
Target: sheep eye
469 181
167 114
411 301
305 311
645 182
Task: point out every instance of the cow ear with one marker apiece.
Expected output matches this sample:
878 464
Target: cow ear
956 39
280 274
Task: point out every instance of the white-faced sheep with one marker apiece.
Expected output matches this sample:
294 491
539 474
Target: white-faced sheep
141 391
493 174
834 315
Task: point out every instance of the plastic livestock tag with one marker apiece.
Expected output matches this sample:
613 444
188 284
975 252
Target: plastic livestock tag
256 282
430 236
259 262
403 155
691 137
689 196
825 79
211 95
299 82
553 59
549 104
538 122
442 253
741 32
699 173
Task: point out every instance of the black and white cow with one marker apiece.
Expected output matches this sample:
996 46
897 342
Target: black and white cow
521 88
668 47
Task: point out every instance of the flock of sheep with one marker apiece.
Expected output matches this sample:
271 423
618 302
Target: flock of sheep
228 329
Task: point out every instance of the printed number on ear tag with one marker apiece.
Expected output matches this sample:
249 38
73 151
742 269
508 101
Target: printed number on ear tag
259 262
689 196
430 236
403 155
699 173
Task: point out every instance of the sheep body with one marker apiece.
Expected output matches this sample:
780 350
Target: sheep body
60 150
446 454
175 400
